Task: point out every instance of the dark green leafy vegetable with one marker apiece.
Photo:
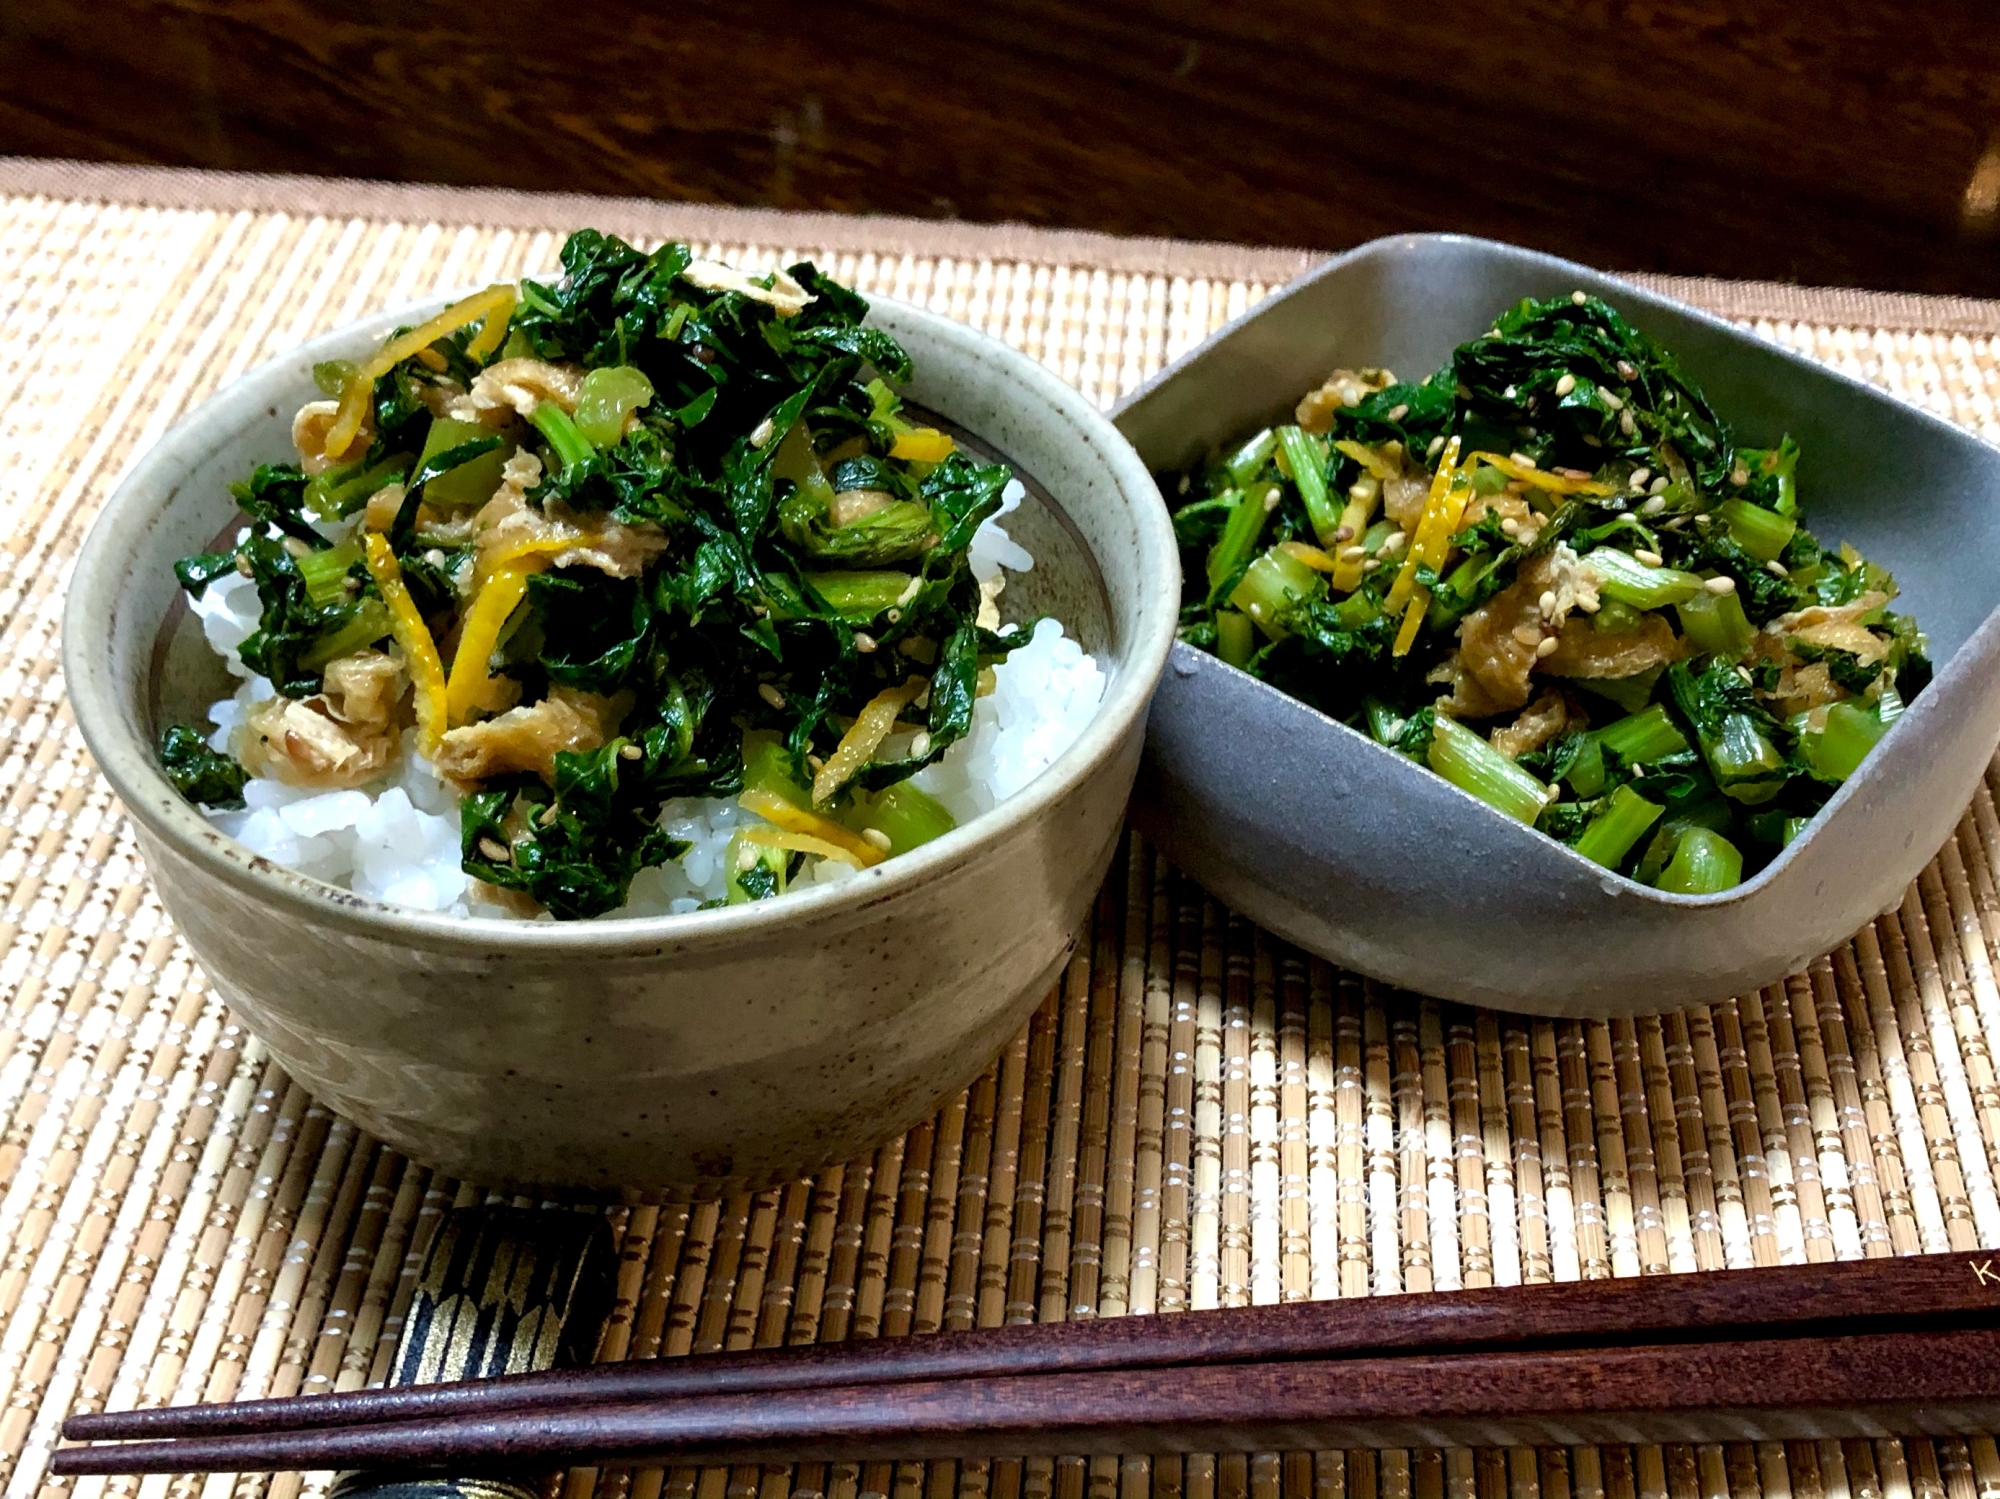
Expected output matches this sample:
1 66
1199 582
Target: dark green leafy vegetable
1623 607
789 567
293 625
198 772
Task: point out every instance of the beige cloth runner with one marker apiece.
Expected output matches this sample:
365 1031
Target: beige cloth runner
1197 1117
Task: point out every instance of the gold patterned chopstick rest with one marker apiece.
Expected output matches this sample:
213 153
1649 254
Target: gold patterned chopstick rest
503 1291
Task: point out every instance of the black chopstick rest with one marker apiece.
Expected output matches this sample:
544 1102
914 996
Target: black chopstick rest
503 1291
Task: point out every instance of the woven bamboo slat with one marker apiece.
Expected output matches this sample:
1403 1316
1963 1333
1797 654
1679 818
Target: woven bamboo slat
1197 1116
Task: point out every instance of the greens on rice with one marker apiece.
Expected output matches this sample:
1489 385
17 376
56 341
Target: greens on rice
656 534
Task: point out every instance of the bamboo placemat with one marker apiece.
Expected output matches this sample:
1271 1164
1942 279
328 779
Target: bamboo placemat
1197 1117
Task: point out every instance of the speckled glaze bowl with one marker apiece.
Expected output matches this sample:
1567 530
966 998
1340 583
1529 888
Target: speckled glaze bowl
709 1052
1356 853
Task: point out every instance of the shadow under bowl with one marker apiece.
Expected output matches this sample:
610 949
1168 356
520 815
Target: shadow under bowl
1361 856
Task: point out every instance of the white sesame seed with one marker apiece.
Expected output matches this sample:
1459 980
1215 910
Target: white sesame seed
1640 476
1507 394
1626 424
243 566
746 858
1548 601
1720 586
770 694
1522 458
1398 412
1659 485
1371 564
1393 542
1651 559
1271 498
1610 399
1529 535
496 851
863 641
1509 526
1701 517
920 744
1739 476
1654 505
1565 385
1626 372
761 433
1777 569
629 752
1436 446
876 838
1547 648
1578 297
1527 635
1353 553
548 817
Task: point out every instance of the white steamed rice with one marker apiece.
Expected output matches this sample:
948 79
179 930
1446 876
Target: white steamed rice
397 839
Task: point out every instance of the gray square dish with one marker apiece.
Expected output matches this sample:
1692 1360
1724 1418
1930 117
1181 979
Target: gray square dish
1357 854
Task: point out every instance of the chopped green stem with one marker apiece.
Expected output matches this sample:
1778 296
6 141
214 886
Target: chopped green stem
755 872
1764 534
1308 465
568 444
1704 862
1616 617
606 398
341 491
1744 762
1851 732
767 767
1474 766
1617 827
325 572
1231 552
903 814
859 596
1234 636
1272 587
1643 737
1384 722
1586 772
1717 624
1245 462
1623 577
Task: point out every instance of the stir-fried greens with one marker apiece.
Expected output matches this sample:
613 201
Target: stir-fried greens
1549 573
659 529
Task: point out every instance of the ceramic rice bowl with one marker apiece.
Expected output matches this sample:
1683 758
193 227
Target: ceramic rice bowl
707 1052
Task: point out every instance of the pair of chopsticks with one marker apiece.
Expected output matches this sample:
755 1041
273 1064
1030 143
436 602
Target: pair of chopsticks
1890 1347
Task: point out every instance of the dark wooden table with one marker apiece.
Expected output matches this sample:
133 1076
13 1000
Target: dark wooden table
1842 141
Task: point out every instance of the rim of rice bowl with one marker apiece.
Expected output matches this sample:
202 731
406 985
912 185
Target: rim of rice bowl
137 501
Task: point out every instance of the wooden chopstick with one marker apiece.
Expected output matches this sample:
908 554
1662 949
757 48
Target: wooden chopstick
1780 1389
1943 1290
